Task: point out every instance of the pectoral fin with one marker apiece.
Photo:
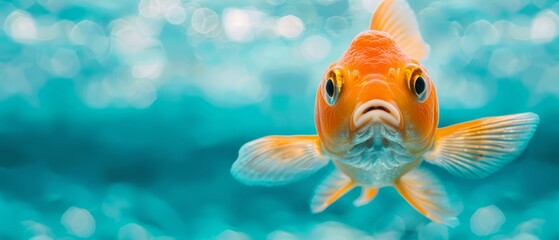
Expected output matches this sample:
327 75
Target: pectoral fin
396 18
330 190
422 190
479 148
276 160
367 194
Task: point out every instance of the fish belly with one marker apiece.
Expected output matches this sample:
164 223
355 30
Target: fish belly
377 175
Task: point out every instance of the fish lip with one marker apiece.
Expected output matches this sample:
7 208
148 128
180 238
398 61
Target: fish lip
376 110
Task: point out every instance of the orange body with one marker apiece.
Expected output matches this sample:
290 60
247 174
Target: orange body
374 67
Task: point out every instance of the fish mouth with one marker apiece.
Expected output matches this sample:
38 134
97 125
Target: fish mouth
376 137
376 144
376 111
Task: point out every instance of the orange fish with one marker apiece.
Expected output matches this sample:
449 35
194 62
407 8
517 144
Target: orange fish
376 115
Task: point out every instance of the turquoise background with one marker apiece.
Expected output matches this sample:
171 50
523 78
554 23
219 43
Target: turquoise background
121 119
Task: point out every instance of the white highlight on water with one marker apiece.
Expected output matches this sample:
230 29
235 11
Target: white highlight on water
78 222
290 26
487 220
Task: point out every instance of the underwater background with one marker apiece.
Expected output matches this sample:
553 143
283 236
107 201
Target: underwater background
121 119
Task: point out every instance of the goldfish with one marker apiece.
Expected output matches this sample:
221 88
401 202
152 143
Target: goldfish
376 117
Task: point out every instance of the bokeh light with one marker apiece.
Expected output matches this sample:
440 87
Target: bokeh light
120 119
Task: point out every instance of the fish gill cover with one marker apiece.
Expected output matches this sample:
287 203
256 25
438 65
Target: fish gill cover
121 119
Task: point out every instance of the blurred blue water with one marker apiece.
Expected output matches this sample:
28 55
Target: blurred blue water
120 119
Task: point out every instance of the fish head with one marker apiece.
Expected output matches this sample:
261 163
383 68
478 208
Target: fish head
376 94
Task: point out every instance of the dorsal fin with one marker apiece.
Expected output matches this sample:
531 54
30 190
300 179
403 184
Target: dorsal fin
396 18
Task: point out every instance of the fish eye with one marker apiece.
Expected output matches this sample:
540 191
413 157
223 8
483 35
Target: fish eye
419 87
330 87
331 93
333 87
